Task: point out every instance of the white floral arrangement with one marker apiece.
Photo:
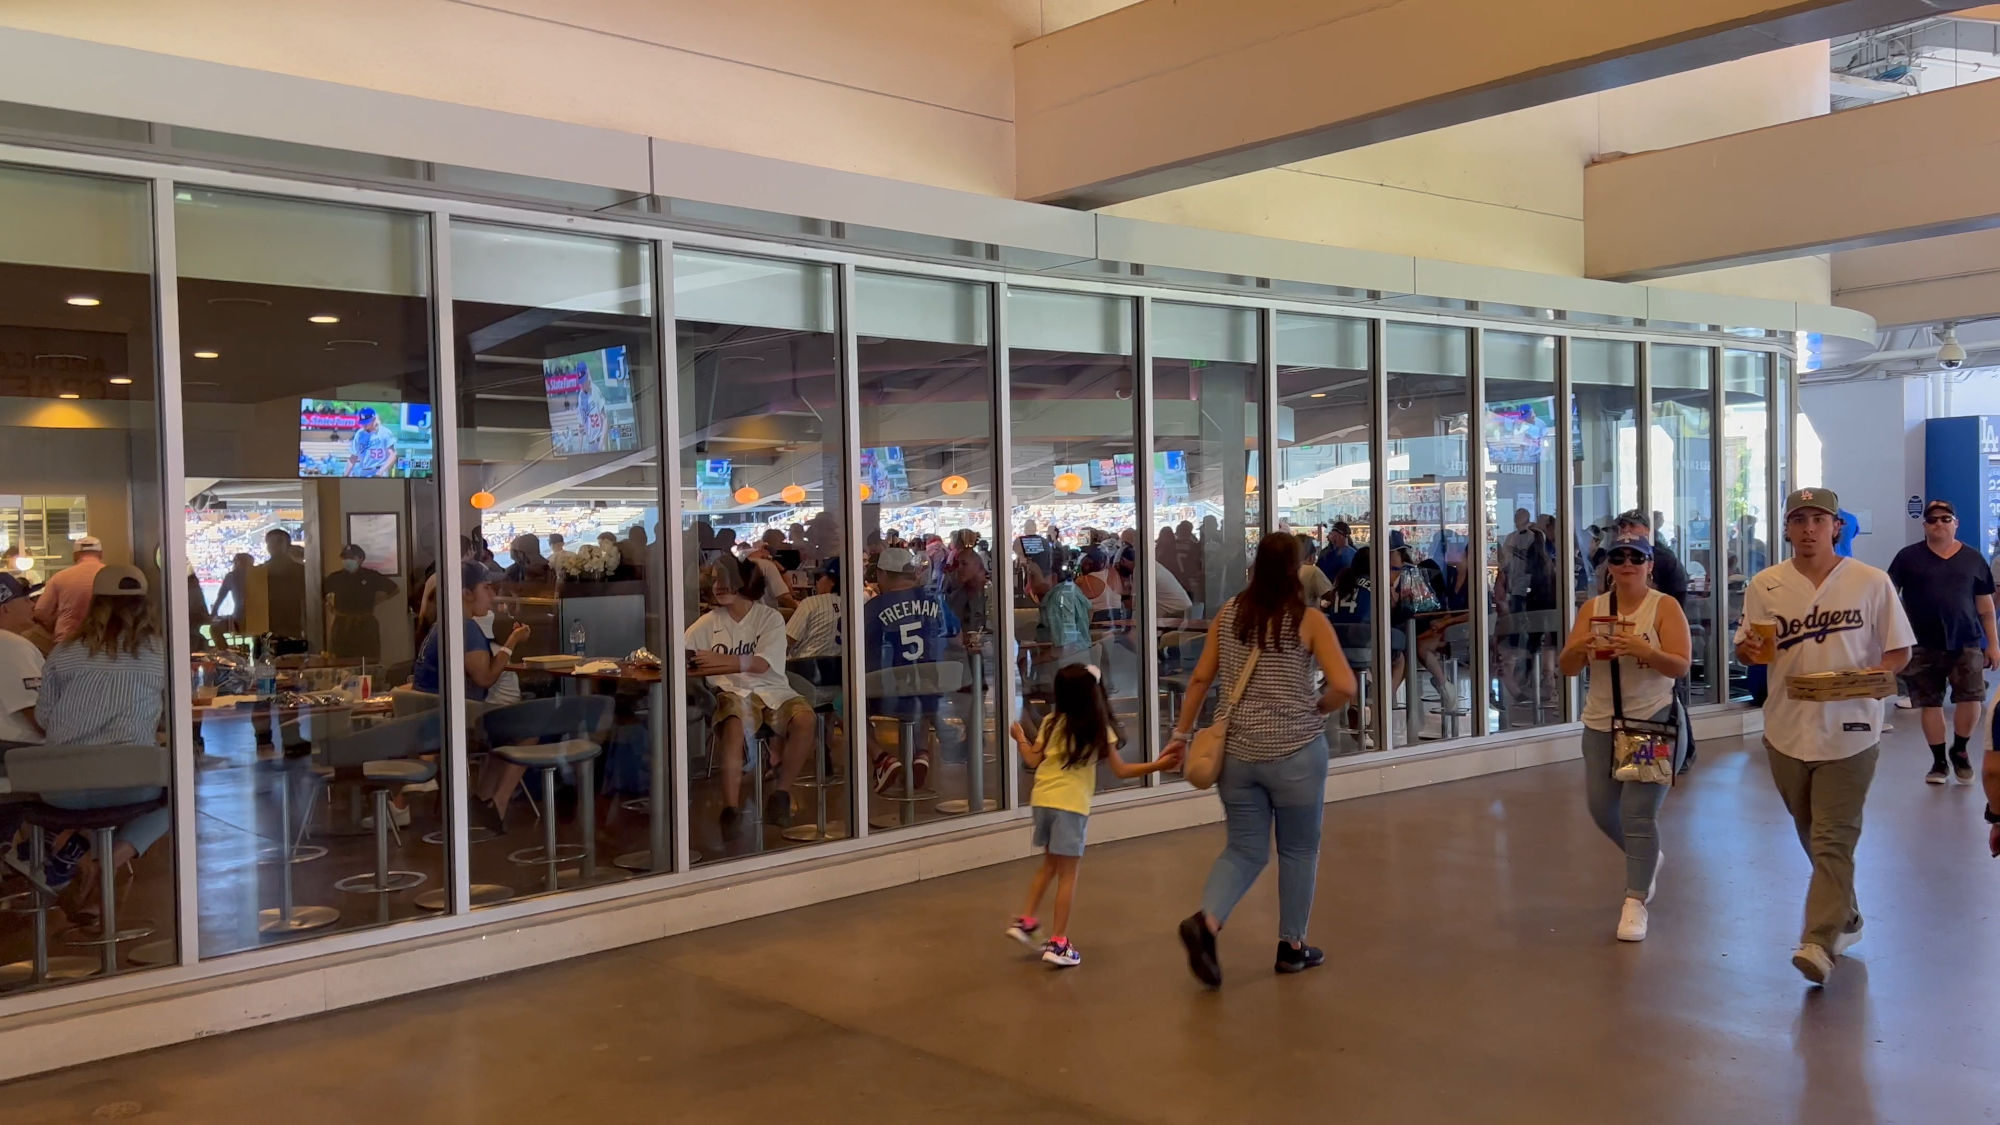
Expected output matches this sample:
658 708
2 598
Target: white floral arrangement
589 562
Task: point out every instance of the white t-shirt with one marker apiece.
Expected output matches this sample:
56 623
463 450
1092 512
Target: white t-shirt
1847 622
1168 594
20 683
760 633
1315 583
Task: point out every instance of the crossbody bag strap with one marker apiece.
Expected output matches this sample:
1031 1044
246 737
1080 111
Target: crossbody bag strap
1243 678
1617 683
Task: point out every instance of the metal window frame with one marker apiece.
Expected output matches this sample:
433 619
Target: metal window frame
1378 535
170 417
854 663
1567 515
1146 616
164 177
673 835
1479 599
1005 643
450 606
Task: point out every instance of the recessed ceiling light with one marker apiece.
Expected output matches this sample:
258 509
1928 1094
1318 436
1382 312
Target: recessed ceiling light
324 319
85 302
69 394
1319 394
120 381
208 355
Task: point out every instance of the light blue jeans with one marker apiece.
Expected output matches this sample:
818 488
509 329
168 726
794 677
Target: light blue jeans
1290 795
1627 812
142 833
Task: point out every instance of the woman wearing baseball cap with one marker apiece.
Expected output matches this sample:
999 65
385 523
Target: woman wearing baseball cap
106 686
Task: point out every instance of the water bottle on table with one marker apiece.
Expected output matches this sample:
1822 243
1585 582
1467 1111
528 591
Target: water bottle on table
579 640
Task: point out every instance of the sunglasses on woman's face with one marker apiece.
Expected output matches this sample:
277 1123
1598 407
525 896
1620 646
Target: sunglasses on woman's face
1625 558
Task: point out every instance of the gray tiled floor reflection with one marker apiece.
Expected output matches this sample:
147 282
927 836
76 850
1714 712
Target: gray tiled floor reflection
1471 977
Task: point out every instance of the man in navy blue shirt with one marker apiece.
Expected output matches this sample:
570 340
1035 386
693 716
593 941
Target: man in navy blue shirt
904 625
1338 554
1947 592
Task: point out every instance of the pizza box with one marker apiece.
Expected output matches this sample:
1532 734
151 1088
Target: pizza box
1833 687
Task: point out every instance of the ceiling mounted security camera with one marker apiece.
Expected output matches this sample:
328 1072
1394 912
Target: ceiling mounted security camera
1950 353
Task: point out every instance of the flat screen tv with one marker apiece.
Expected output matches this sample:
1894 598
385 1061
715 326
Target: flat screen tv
711 483
1518 433
590 403
350 438
883 471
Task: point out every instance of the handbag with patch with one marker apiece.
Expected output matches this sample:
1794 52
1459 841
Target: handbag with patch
1641 749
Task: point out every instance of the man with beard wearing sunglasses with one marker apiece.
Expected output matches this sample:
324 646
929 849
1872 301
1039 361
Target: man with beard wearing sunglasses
1947 591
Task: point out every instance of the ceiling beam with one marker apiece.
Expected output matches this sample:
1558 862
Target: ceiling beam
1913 168
1169 93
1922 282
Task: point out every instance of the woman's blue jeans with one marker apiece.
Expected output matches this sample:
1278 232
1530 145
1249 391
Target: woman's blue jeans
1289 795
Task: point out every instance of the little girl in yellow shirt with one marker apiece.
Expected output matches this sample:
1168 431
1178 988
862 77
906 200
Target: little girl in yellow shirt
1080 731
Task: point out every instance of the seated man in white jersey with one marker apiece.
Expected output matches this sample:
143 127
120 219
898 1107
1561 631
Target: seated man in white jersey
905 625
739 647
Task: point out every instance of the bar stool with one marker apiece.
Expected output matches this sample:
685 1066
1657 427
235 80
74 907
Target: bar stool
383 760
822 698
909 682
545 735
47 770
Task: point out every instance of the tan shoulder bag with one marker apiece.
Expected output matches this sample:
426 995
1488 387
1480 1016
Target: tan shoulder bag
1204 753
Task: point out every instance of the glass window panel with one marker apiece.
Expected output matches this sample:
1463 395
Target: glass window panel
1680 479
1746 480
926 471
558 435
313 526
80 428
1325 466
1074 416
1604 451
1429 403
762 495
1793 465
1207 492
1518 501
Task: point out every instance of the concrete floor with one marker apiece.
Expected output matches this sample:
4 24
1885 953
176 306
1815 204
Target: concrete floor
1472 977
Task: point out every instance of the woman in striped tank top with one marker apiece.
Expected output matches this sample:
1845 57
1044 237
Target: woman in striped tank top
1274 763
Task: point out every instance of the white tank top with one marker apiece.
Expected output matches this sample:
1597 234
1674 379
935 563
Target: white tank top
1646 691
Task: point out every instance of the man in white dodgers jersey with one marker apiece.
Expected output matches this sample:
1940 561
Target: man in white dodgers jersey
1828 614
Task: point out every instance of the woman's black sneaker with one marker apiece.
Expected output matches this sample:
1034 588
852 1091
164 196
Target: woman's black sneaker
1200 943
1299 958
485 814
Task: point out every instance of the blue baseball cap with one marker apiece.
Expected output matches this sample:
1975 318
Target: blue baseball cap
365 413
1638 543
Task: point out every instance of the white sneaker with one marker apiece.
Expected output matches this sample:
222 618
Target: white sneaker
1848 939
1903 703
1813 963
1632 921
400 817
1653 887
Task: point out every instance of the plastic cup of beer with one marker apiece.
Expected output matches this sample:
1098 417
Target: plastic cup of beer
1766 635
